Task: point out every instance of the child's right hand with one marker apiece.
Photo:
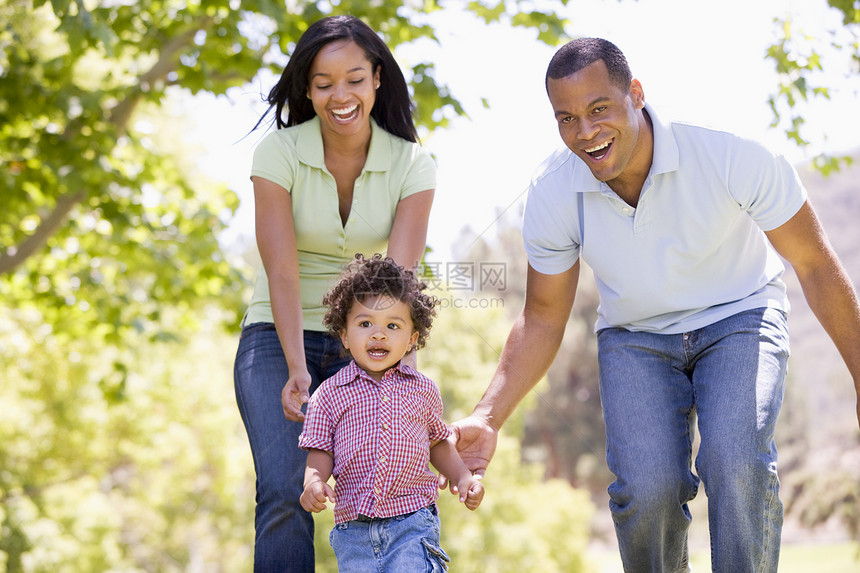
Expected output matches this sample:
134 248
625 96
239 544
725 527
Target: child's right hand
315 496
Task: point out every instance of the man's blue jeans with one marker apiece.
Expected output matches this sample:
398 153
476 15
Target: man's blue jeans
731 376
284 531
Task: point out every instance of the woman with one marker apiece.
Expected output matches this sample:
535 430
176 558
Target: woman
343 175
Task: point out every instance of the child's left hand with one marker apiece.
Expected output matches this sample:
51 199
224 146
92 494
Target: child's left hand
471 492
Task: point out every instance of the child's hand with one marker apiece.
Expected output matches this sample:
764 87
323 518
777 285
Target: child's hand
315 495
471 492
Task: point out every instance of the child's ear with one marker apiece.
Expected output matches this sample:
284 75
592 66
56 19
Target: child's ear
412 340
343 339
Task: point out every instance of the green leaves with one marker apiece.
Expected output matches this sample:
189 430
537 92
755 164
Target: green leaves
800 61
80 85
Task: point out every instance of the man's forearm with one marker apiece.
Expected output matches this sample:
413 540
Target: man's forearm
528 353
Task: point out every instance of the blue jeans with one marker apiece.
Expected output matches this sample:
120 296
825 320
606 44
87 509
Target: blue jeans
731 375
284 538
408 543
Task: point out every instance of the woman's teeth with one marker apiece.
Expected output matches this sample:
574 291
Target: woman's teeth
344 113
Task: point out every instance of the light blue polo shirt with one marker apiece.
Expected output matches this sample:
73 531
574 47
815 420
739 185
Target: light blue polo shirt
692 252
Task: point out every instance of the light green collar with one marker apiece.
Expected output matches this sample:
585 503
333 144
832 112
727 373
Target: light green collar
309 146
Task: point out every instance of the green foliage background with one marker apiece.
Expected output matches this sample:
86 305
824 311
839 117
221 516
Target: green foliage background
120 445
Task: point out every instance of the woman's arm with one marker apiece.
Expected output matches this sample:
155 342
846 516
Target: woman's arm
276 240
408 237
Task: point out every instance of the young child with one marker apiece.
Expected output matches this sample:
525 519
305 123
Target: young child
377 423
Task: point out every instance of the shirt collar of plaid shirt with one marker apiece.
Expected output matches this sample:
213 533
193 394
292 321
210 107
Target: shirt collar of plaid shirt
352 371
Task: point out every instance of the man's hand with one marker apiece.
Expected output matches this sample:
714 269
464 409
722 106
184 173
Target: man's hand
315 496
475 441
296 392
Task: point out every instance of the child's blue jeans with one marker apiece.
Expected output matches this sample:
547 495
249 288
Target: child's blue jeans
403 543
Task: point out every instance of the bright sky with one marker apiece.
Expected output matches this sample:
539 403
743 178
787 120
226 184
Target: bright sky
698 61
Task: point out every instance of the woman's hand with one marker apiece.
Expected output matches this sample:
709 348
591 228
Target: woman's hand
295 394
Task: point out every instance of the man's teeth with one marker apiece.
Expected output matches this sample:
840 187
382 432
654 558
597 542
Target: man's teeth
598 148
344 111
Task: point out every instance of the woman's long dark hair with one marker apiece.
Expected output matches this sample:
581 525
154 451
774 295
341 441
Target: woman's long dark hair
393 107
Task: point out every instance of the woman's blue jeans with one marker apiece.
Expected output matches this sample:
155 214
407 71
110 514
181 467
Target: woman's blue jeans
731 376
284 531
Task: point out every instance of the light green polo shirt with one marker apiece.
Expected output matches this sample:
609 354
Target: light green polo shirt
293 158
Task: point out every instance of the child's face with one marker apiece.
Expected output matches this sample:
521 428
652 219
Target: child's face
379 332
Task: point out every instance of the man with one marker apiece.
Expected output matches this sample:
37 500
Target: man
682 226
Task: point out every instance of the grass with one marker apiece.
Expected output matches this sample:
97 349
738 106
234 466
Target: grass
829 558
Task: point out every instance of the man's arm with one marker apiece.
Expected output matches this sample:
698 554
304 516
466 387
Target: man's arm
826 286
529 351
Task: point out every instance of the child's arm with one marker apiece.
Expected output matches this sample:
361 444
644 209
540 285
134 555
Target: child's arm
444 457
317 473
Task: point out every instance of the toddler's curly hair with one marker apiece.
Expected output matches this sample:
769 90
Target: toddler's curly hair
378 276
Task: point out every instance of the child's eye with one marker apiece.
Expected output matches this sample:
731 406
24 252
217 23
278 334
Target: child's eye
364 323
393 326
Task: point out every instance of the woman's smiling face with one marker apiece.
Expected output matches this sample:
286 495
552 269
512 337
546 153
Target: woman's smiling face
342 88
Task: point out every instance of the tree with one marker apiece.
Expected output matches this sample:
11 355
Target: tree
800 60
94 210
155 474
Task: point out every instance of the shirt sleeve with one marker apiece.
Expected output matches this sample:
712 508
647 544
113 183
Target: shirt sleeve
421 175
275 159
549 231
765 185
318 430
437 429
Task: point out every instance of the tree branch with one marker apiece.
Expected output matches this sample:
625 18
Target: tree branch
49 225
121 114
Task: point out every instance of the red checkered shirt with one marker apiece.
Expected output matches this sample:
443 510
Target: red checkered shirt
380 434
